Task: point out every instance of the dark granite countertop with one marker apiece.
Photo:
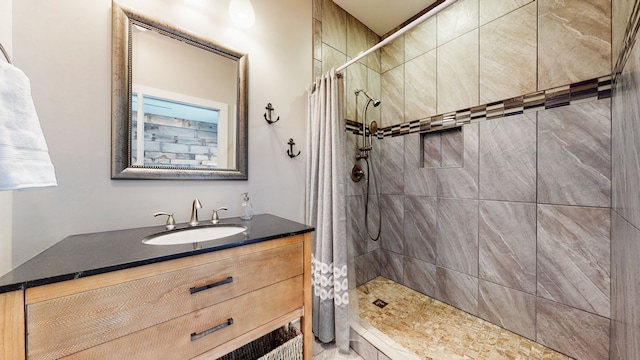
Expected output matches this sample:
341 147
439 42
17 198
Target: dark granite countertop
89 254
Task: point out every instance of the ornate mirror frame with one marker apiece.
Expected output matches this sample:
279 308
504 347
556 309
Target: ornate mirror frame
121 87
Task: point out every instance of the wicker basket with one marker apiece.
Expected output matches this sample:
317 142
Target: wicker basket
284 343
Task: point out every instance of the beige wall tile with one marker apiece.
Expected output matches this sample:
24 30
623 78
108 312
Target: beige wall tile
456 20
420 39
511 309
391 265
334 26
508 158
573 257
620 13
574 154
392 92
420 276
317 68
317 9
452 148
373 87
457 235
373 59
508 55
574 41
392 227
457 289
420 229
356 79
392 169
317 40
331 58
577 333
507 244
458 73
357 37
420 87
392 54
493 9
432 150
419 180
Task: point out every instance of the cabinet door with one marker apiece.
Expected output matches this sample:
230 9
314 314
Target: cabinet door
12 325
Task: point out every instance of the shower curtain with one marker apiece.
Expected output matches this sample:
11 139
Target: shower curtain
326 210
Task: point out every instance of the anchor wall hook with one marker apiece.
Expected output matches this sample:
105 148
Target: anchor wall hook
290 151
268 117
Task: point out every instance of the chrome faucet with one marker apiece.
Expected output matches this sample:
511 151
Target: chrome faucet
194 212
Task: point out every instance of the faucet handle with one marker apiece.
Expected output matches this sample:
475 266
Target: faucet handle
214 216
171 222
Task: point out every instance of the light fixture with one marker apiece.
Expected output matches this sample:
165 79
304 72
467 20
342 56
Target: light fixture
241 12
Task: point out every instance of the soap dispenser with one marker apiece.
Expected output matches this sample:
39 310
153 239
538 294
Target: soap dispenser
247 208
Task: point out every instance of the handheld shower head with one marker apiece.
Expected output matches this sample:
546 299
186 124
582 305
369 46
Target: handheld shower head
373 126
376 102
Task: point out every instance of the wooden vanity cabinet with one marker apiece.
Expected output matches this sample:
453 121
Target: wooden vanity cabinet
12 325
201 306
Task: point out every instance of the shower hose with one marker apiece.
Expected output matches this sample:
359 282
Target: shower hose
370 175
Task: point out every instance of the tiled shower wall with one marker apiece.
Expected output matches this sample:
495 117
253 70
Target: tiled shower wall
625 214
520 234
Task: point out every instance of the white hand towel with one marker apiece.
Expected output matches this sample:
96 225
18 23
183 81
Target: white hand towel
24 156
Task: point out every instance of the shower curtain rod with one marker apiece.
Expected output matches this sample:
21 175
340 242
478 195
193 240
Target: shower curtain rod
396 34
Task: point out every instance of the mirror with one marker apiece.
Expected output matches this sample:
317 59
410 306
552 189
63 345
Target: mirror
179 103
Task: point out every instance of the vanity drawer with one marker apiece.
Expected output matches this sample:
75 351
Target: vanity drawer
206 329
68 324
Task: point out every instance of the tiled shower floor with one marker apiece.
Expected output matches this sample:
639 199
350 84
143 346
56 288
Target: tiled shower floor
434 330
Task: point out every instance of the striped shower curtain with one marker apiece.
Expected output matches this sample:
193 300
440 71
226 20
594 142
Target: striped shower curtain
325 209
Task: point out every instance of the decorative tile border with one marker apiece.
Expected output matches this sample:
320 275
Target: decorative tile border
354 127
594 89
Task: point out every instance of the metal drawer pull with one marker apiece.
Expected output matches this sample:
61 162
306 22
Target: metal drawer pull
196 336
194 290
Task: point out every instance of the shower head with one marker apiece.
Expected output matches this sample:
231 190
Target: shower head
376 102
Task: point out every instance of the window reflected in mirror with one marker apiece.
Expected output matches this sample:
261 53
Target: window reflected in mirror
171 133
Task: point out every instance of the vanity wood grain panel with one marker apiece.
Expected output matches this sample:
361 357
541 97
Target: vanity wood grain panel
47 292
66 318
173 339
12 325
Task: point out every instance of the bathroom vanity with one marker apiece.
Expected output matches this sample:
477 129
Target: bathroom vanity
109 296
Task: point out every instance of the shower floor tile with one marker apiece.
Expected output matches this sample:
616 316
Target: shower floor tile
434 330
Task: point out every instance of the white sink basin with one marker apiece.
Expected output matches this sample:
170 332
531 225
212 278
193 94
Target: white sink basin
194 234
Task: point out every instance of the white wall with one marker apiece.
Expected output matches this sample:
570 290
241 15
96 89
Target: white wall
6 197
64 46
